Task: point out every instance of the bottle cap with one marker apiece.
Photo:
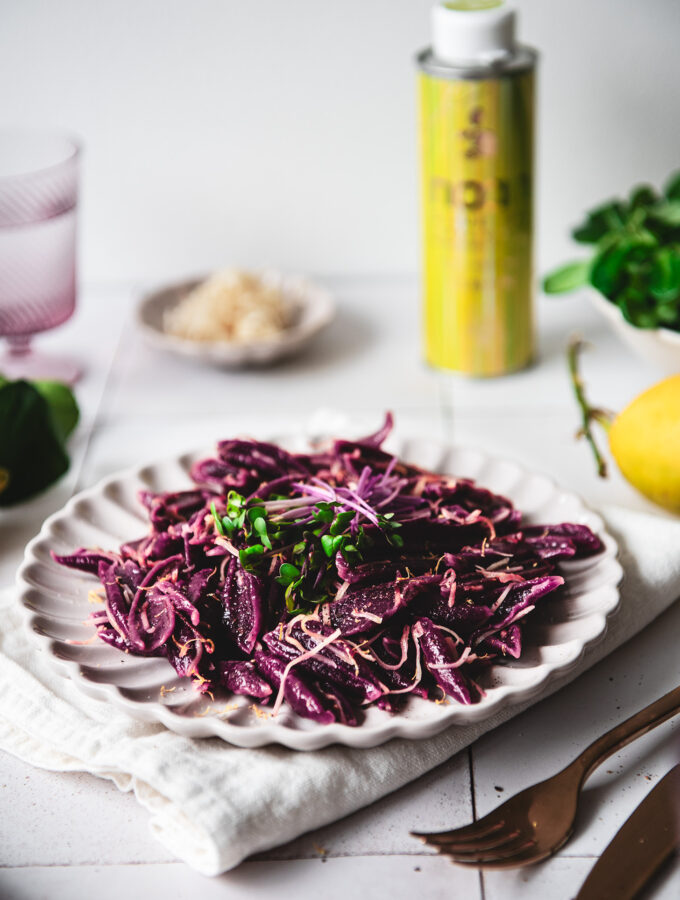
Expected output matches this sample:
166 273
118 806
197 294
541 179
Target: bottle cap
466 32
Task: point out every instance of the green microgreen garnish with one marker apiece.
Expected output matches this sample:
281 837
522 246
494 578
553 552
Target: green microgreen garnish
217 519
249 555
341 523
304 535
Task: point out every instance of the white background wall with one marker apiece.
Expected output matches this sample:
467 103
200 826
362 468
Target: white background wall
272 132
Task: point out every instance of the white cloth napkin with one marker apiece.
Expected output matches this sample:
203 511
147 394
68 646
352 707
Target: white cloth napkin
212 804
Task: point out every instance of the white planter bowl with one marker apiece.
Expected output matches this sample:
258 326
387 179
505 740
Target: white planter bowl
658 346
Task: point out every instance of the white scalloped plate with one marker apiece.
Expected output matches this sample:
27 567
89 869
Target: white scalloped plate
56 600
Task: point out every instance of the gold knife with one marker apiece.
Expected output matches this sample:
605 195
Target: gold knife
641 845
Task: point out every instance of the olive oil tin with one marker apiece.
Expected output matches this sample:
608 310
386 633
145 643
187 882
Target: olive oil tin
477 168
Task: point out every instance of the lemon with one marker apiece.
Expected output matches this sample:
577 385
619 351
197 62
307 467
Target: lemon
645 442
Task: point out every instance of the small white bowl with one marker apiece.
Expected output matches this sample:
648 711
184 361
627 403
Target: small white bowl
658 346
312 308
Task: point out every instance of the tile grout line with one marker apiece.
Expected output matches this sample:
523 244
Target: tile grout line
97 419
255 862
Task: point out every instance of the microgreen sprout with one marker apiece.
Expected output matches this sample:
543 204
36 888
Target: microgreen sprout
308 529
217 519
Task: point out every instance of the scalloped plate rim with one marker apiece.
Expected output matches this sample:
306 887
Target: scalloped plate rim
262 733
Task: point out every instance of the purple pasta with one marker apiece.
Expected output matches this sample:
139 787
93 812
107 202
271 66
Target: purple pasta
331 581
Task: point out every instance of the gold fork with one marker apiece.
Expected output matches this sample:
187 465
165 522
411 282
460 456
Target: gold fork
535 823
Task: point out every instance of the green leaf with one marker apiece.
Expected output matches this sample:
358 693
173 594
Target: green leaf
290 595
567 278
260 526
289 571
589 233
637 312
641 241
672 189
62 404
235 506
323 514
643 195
608 268
667 213
32 455
229 525
327 542
668 315
342 521
608 217
216 519
664 279
250 556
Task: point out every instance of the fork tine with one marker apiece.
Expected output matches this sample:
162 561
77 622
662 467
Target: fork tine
521 855
471 832
464 848
529 856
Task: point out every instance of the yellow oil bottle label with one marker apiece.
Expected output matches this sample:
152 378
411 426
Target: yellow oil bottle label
477 175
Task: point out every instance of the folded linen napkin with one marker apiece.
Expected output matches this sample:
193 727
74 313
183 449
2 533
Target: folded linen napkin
212 804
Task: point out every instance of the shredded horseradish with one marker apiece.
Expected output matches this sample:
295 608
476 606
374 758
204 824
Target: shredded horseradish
298 659
232 305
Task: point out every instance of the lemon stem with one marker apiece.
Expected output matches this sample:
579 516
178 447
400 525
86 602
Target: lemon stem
589 414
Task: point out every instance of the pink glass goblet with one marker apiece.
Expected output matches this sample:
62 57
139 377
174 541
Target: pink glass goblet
38 202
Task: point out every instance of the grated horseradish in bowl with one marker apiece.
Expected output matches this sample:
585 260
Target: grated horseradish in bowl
236 318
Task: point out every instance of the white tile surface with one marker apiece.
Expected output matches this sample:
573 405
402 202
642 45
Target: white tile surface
399 877
560 879
439 799
47 820
556 879
71 836
346 366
